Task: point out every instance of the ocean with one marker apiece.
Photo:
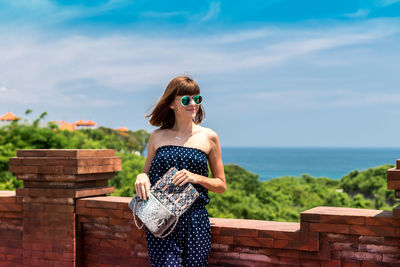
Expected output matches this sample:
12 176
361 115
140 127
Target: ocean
318 162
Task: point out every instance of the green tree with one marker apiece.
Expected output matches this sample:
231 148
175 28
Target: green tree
278 199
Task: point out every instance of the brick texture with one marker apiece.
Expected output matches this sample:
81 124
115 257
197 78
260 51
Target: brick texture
11 251
49 232
62 218
108 230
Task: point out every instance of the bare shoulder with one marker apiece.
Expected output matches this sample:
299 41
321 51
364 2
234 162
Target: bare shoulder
209 131
156 136
212 136
159 133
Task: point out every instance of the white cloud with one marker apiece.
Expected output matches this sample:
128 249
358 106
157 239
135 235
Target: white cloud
388 2
49 12
163 15
3 88
45 70
361 13
320 99
240 36
213 11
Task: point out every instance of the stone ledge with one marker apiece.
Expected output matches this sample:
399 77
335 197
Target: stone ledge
65 153
340 211
62 193
5 193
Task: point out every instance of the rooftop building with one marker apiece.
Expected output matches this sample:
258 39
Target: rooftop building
9 116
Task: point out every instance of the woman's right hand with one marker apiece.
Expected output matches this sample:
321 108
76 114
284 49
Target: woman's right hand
142 186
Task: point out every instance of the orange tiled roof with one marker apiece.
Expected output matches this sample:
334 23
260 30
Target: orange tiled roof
90 122
80 122
63 125
84 123
9 116
67 126
123 129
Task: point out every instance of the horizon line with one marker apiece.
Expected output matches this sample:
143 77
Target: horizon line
324 147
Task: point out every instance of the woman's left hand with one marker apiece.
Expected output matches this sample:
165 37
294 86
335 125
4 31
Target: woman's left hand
183 177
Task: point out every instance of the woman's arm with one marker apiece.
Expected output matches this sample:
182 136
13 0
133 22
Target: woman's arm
217 183
142 183
151 151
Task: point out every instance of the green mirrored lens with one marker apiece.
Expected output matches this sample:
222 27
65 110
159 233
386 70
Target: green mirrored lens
197 99
185 100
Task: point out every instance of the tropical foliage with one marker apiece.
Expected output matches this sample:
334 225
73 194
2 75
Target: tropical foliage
279 199
24 135
282 199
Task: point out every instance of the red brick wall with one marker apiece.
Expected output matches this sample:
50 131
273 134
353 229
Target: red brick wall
62 218
10 229
53 180
109 237
326 236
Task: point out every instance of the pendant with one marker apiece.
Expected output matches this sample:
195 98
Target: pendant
177 138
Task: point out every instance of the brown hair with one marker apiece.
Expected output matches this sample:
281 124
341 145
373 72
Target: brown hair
162 115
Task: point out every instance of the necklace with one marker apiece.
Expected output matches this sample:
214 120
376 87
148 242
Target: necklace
180 138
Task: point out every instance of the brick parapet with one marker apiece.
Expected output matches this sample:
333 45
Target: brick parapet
326 236
11 250
62 218
109 234
393 183
53 180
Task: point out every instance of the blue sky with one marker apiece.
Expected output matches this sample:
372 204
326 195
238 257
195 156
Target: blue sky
272 73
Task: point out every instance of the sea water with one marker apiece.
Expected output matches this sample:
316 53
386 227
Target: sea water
318 162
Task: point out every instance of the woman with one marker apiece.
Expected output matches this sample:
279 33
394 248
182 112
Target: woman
180 141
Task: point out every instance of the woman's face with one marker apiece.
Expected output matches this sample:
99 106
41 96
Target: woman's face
188 111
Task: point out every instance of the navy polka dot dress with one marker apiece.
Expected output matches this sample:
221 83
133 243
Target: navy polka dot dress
190 242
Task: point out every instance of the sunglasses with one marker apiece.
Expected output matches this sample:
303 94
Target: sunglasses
185 100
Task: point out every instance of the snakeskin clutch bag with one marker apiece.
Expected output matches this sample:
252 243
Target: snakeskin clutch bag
176 199
165 205
153 214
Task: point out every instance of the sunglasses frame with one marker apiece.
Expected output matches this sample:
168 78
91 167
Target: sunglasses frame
200 97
